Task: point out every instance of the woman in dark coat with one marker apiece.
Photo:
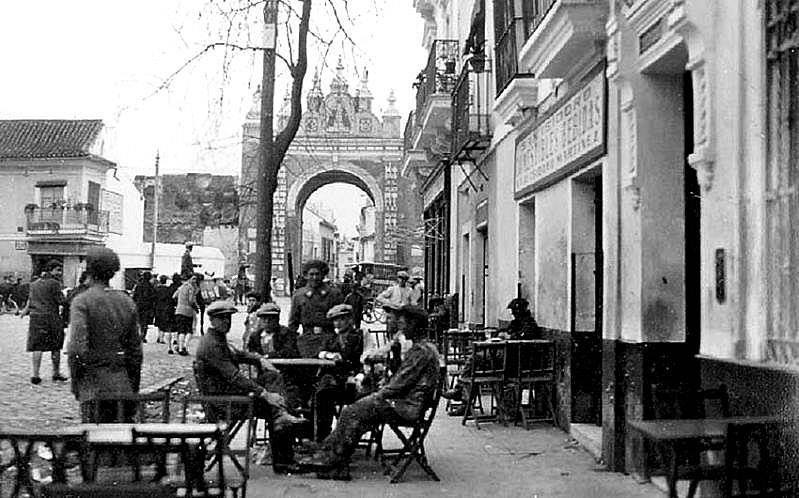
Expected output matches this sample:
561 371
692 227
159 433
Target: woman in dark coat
164 309
144 297
46 329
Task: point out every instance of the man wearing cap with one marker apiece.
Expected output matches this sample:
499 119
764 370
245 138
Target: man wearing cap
346 351
402 399
522 327
269 338
310 304
105 352
417 288
46 329
218 373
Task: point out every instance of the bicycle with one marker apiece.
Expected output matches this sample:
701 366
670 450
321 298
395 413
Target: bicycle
373 313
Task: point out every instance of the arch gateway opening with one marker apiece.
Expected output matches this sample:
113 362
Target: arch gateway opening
340 140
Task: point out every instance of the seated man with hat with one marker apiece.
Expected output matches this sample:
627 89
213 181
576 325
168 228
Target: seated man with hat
522 327
217 369
269 338
346 350
402 399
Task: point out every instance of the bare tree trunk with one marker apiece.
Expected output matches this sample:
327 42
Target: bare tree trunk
273 149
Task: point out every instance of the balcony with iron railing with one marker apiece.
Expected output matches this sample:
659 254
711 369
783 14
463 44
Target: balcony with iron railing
410 132
433 89
471 109
560 32
63 223
516 90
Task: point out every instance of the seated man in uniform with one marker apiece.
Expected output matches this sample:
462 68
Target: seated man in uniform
522 327
402 399
217 367
331 388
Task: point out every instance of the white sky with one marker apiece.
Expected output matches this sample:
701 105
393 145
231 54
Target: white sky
106 58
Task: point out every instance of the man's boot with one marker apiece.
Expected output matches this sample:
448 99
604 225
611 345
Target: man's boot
281 418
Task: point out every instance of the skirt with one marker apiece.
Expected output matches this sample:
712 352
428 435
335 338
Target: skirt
45 333
164 320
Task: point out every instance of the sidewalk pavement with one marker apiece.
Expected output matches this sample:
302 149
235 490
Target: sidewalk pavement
494 461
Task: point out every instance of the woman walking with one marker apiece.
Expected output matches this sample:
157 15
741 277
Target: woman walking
164 311
144 297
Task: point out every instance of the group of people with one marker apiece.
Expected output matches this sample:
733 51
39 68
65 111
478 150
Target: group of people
301 402
13 294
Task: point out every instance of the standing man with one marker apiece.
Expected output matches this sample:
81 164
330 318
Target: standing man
310 304
186 263
206 294
186 307
46 330
144 297
105 354
356 299
417 288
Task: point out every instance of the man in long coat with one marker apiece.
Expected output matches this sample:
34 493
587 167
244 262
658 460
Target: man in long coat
105 353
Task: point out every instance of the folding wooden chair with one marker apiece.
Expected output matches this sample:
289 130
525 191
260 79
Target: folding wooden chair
23 444
487 370
413 443
235 412
192 448
131 407
457 352
533 365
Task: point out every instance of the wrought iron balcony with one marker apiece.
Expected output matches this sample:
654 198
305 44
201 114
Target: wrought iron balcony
471 109
66 223
510 27
533 13
439 75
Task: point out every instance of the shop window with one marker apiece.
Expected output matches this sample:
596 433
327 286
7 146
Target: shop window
782 181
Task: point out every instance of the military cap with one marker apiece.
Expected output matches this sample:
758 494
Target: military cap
518 304
268 309
339 310
220 308
402 274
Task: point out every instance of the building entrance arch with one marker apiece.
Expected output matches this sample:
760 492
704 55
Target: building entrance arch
306 184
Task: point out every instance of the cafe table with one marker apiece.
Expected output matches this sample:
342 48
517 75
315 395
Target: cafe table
669 433
117 438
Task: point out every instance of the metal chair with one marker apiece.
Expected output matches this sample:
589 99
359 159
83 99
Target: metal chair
235 412
457 350
531 366
487 370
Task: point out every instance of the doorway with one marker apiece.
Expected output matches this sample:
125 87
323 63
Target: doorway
586 299
693 235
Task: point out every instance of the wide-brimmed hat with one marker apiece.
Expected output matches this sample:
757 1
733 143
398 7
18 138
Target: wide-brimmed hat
339 310
220 308
268 309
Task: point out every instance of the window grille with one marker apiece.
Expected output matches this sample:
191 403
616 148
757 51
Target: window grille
782 181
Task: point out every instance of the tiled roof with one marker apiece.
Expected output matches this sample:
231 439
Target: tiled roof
47 138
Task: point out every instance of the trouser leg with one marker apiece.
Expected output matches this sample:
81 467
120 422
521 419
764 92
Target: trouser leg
270 406
325 411
55 356
355 420
36 358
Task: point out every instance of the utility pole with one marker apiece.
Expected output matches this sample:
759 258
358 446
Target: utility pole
155 210
266 156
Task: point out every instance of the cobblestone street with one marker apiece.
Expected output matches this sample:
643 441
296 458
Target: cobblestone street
50 405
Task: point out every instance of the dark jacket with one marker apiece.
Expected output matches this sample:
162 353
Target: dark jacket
309 307
144 297
524 328
217 367
105 354
186 265
348 343
414 382
284 342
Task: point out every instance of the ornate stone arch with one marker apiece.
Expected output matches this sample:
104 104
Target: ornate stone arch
303 186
